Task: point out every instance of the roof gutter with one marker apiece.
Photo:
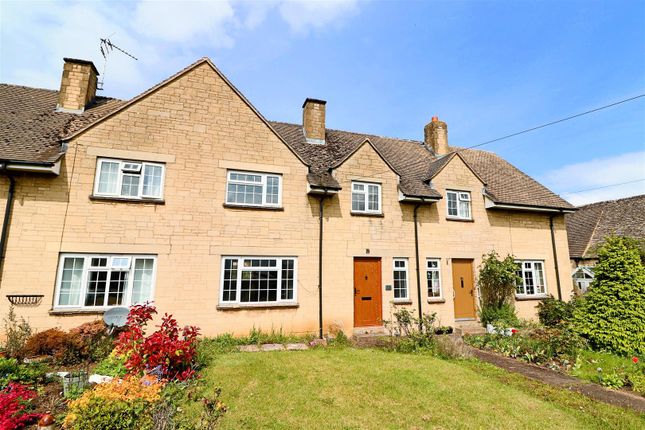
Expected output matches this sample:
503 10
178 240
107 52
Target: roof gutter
32 167
417 199
324 191
490 204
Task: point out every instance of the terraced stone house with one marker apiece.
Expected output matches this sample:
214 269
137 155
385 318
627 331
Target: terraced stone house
187 196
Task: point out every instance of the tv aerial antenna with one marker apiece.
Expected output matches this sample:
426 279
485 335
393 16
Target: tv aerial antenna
107 47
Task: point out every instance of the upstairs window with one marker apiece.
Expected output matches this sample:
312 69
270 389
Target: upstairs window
103 281
400 279
458 204
366 198
129 179
253 189
532 274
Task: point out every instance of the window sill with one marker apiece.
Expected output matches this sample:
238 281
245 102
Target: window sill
437 300
449 218
367 214
529 298
253 207
401 302
127 200
250 306
63 312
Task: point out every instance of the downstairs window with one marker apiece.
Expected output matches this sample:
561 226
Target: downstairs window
533 282
94 281
258 279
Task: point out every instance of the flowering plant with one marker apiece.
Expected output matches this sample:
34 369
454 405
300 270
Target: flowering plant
168 353
15 406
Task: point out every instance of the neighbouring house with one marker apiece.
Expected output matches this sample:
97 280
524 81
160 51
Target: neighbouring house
187 196
588 227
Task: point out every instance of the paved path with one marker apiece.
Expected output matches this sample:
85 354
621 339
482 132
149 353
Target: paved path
557 379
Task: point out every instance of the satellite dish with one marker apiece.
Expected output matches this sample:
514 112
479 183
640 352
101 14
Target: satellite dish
115 317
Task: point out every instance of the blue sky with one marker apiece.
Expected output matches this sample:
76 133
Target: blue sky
487 68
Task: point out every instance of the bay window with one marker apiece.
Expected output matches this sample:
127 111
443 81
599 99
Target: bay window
248 280
93 281
129 179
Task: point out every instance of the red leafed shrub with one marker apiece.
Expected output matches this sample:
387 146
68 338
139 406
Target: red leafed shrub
168 352
15 406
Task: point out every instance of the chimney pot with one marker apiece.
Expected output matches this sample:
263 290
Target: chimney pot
436 136
313 120
77 85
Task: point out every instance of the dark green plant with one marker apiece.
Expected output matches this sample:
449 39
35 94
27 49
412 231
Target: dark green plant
11 370
411 334
612 313
503 316
553 312
16 334
497 280
340 340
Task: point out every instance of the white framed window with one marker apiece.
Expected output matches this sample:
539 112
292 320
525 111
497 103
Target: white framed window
248 280
583 277
433 276
253 189
458 204
533 281
99 281
366 197
400 278
129 179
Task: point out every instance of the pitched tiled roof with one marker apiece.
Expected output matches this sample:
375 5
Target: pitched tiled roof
30 129
31 132
591 224
416 164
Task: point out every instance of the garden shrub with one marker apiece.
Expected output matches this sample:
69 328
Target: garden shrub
612 313
168 352
11 370
504 316
87 342
16 407
412 334
497 283
48 342
121 404
16 334
553 312
112 365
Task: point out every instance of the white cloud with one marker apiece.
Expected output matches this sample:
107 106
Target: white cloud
305 15
165 36
572 179
185 21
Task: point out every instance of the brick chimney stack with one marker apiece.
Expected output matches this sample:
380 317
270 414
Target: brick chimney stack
313 120
77 86
436 136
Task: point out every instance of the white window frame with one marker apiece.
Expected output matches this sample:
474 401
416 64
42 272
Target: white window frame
125 170
403 269
461 196
240 268
533 271
127 298
438 271
263 183
583 283
365 193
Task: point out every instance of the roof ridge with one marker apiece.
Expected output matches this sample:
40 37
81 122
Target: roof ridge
593 232
607 202
28 87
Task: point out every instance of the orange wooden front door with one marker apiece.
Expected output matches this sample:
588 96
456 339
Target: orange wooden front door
367 292
464 287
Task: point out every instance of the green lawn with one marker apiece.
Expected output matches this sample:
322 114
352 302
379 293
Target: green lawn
373 389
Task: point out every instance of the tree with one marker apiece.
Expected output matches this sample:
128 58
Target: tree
497 282
612 313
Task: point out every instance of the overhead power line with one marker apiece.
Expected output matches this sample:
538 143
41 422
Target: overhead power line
606 186
554 122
